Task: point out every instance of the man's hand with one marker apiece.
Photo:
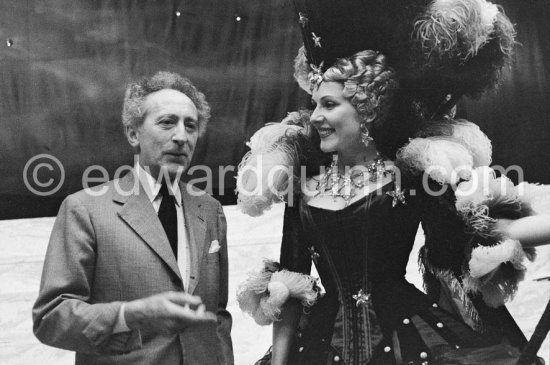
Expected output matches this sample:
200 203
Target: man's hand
166 313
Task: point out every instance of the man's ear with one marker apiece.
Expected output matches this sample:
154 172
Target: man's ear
132 136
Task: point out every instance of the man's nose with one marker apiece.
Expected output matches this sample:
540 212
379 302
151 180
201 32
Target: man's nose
180 134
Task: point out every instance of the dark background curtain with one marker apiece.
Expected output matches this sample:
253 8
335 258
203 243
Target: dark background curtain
64 65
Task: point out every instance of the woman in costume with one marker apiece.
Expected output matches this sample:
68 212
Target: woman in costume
353 222
328 225
356 221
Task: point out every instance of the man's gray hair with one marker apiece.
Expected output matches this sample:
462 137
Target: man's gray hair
133 112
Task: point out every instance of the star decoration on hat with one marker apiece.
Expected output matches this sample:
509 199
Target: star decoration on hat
316 76
361 298
303 19
316 40
314 255
398 196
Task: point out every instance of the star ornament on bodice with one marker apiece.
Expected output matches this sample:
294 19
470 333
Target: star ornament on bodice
361 298
314 255
398 196
316 40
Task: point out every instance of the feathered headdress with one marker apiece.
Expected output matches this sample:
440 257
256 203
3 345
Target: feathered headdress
440 50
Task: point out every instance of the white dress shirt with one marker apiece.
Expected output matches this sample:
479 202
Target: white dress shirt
151 187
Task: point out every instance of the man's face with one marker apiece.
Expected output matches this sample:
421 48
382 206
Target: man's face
167 137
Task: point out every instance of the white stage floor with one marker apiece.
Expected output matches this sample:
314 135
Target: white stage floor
23 244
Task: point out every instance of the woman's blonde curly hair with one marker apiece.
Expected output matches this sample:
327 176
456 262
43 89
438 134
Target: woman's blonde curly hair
368 81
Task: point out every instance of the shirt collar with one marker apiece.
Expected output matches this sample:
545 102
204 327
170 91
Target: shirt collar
152 186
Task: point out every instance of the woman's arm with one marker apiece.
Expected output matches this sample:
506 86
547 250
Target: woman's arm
283 332
530 231
294 257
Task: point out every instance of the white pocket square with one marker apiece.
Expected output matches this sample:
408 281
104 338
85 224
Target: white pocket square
214 247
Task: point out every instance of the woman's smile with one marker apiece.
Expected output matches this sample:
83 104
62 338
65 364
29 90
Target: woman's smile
325 131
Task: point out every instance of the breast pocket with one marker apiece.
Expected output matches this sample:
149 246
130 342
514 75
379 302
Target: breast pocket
213 257
214 251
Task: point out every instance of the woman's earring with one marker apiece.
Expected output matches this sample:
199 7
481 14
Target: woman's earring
365 136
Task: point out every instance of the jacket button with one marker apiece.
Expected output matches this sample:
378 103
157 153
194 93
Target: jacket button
301 349
439 325
406 321
336 358
387 349
423 355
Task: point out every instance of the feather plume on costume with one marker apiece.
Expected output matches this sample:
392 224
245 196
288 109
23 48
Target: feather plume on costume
464 45
302 70
264 293
443 159
477 142
457 27
447 150
484 197
498 286
496 265
266 173
466 133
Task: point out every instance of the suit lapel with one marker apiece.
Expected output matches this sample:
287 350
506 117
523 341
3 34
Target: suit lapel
138 213
195 221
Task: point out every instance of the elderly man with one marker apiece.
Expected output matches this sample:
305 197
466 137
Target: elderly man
136 269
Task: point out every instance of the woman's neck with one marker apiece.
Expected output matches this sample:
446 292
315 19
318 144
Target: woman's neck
361 156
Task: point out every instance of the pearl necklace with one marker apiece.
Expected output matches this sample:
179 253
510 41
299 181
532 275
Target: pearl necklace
345 186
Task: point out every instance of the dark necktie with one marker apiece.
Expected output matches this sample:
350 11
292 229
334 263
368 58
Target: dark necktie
169 218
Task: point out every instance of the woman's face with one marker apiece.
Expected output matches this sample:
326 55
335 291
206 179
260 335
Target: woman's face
335 118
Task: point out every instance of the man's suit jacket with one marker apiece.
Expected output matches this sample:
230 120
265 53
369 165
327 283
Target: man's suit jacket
110 248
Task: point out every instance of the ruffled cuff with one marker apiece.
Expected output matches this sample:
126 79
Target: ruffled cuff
495 271
264 293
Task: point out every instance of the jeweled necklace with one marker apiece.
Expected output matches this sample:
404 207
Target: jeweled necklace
346 186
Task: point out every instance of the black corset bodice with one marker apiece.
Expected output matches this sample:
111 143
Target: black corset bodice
342 263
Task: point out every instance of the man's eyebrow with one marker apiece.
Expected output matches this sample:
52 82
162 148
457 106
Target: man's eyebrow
176 116
170 115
